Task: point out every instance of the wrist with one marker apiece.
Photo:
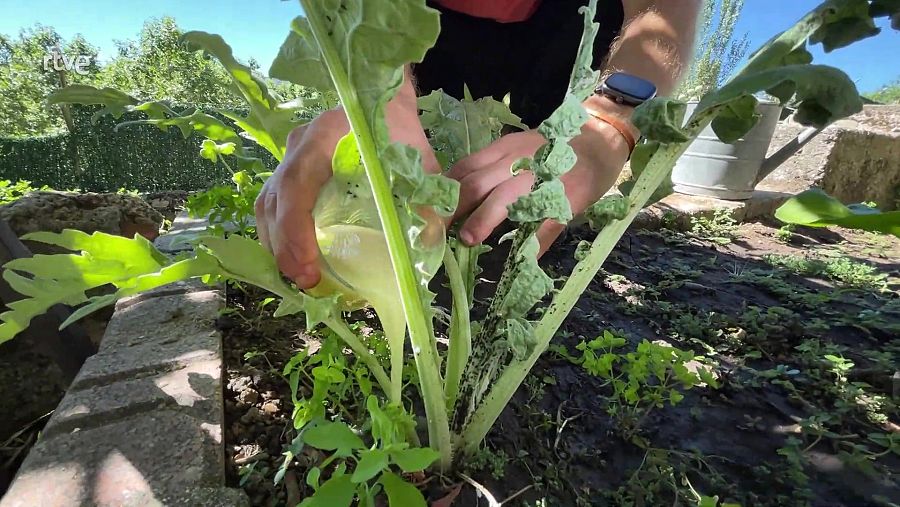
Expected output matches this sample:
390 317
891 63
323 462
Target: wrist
610 123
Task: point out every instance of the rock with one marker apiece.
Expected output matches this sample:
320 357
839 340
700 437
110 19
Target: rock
271 407
119 214
249 396
168 203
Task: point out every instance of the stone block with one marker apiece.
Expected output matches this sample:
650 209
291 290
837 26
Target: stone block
137 461
856 159
176 288
194 389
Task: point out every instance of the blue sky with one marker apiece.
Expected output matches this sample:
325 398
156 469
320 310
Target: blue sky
256 28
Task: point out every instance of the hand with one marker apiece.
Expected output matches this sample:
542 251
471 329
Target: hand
487 185
284 207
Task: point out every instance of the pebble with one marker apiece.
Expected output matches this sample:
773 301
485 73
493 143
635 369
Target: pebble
249 396
270 407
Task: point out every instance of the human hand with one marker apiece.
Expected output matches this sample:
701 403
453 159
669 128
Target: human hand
487 185
284 207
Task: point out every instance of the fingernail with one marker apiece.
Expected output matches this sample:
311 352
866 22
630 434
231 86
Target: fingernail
467 237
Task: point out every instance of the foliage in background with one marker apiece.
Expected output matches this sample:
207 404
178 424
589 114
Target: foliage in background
155 65
718 51
102 158
11 192
25 83
888 94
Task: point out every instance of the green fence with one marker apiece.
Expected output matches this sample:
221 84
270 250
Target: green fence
99 158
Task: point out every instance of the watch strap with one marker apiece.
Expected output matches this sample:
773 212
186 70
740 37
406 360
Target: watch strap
617 124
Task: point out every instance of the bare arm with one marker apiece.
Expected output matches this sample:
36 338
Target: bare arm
656 44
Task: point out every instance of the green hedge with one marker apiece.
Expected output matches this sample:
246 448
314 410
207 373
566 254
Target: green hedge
99 158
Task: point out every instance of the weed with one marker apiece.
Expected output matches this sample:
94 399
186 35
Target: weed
491 461
721 228
786 233
651 376
840 269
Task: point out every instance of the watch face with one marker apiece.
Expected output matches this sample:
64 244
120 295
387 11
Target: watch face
633 86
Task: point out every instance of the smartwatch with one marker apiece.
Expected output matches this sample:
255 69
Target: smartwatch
626 89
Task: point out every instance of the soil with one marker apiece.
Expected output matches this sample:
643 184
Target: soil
724 299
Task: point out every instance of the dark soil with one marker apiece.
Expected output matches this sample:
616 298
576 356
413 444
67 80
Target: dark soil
744 442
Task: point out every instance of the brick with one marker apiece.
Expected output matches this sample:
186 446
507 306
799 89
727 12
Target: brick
194 389
135 461
173 289
163 318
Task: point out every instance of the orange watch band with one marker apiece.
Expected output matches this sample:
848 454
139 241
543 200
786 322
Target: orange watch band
617 124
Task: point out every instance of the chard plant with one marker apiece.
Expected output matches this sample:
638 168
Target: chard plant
358 50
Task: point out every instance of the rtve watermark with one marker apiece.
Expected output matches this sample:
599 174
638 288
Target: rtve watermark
59 62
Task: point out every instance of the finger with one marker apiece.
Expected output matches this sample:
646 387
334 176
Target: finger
547 234
292 232
476 161
474 188
264 206
492 211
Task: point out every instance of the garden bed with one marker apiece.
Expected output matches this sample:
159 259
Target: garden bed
778 314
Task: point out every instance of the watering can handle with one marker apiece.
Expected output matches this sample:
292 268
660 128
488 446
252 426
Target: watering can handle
787 151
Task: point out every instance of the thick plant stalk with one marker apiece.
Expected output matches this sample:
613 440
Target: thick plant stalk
423 345
460 329
512 377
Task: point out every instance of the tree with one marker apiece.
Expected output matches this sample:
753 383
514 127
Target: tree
158 66
26 79
718 51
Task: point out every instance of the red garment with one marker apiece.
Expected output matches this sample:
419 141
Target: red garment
504 11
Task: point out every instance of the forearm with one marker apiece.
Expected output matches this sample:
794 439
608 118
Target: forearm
657 41
656 44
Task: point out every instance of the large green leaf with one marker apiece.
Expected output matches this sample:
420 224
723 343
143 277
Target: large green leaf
333 436
556 157
267 123
401 493
815 208
114 101
824 93
461 127
414 460
335 492
64 278
374 40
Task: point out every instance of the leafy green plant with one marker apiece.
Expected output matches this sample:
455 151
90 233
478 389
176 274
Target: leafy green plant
841 269
11 192
649 377
785 233
352 48
815 208
374 466
720 228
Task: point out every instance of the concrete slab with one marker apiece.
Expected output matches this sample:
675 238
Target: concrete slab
135 461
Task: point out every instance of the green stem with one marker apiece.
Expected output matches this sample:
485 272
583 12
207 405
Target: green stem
424 351
653 175
460 329
362 353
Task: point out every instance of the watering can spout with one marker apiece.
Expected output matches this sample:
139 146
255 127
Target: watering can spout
785 152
